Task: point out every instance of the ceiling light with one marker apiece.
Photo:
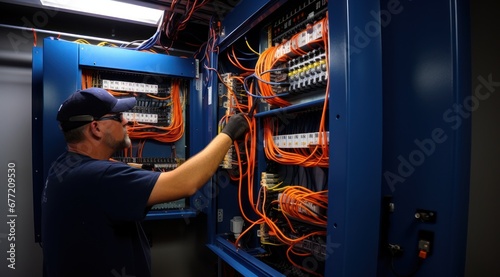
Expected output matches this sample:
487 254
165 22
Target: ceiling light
109 8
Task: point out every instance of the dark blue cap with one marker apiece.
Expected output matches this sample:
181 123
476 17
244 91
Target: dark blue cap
86 105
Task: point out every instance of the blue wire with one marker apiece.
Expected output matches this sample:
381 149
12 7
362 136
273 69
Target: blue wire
258 96
148 44
269 82
247 53
244 59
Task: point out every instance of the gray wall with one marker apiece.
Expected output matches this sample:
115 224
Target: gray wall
484 207
15 147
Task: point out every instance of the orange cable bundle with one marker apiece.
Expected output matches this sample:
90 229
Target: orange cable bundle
265 63
234 60
316 155
295 201
167 134
86 79
300 202
268 61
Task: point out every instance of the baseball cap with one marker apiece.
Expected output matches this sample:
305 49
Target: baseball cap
86 105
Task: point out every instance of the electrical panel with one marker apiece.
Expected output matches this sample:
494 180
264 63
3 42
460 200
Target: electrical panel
357 160
281 190
157 121
157 127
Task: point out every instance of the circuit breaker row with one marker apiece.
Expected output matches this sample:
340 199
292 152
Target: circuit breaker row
297 17
129 86
303 40
153 103
302 74
306 67
302 140
308 71
151 111
152 163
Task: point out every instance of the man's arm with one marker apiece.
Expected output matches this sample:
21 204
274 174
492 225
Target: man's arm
185 180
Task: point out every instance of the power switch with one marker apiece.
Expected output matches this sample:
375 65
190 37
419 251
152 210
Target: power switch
425 243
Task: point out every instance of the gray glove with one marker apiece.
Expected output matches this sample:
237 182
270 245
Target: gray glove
236 127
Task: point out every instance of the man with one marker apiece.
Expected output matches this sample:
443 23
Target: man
92 207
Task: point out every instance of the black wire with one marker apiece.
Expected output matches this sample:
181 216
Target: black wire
243 59
254 105
285 176
295 172
304 180
325 178
246 53
311 179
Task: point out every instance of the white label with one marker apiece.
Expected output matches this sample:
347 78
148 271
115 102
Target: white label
209 89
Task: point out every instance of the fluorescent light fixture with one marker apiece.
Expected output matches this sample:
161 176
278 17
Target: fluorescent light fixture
109 8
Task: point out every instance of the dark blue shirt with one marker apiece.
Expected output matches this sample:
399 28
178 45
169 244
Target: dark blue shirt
91 218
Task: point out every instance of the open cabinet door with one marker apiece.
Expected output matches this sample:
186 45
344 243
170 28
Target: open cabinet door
426 158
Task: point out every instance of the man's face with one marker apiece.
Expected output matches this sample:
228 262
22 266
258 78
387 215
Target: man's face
116 136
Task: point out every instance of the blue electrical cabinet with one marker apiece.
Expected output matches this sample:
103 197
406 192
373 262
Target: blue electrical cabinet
399 110
354 121
58 69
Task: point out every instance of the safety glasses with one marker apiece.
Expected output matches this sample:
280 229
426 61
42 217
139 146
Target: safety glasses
116 117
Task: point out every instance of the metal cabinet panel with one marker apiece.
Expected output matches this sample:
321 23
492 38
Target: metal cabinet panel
426 151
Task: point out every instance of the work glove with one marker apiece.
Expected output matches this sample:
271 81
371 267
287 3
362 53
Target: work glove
236 127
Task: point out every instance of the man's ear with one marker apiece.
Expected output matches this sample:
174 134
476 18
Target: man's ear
95 130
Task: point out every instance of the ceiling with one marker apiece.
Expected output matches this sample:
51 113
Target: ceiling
29 13
217 8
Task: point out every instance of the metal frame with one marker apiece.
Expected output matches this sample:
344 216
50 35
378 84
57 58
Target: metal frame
355 142
136 61
243 262
37 144
245 16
